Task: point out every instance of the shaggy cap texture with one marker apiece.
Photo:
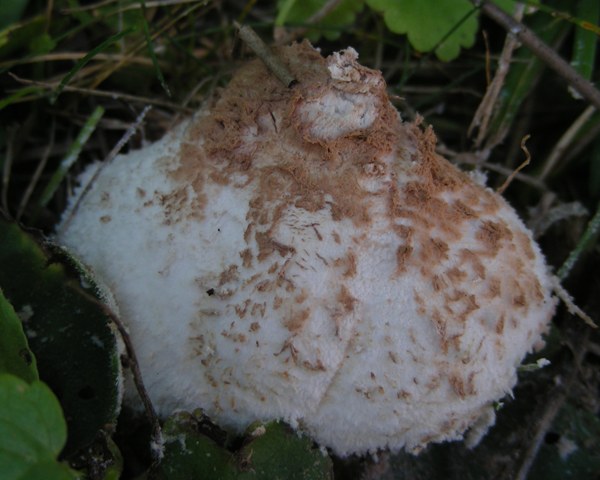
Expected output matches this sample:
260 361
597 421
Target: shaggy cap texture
301 253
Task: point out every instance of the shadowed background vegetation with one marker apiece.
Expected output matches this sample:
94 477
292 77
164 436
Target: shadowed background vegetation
81 81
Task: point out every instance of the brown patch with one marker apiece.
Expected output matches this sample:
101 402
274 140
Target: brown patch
461 386
524 244
301 298
456 275
349 263
242 309
259 309
468 257
434 251
254 327
439 323
229 275
420 303
248 232
519 301
297 320
403 254
500 325
493 235
246 256
267 246
463 211
494 288
346 300
438 283
105 218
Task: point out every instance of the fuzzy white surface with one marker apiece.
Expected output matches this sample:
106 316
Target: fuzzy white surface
325 333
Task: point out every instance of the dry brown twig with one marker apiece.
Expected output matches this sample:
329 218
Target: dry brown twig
511 177
105 93
552 59
485 110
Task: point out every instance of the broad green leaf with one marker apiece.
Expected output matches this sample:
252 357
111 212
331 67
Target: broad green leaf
571 449
585 40
276 451
190 454
11 11
69 331
42 44
32 431
443 26
296 13
15 356
18 35
270 451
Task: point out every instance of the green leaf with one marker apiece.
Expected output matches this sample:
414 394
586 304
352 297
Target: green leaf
11 11
276 451
443 26
586 40
42 44
87 58
15 356
572 450
190 454
32 431
69 331
269 451
19 35
71 157
295 13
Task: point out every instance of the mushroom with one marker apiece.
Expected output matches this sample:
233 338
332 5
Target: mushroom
303 254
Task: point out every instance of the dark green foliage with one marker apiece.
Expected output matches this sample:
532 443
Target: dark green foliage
15 356
32 432
68 329
271 451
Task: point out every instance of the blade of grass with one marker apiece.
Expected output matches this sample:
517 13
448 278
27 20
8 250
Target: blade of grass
70 158
587 240
5 102
560 12
81 63
151 51
521 79
585 41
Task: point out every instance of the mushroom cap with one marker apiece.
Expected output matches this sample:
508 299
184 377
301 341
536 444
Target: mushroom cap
301 253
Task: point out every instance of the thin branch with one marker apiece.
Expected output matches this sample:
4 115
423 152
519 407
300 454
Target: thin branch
38 171
133 365
485 110
112 154
526 36
262 51
566 140
6 169
511 177
551 409
104 93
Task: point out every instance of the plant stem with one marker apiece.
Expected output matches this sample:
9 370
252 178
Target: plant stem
584 87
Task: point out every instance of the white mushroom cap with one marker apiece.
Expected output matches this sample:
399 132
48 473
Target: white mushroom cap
301 253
